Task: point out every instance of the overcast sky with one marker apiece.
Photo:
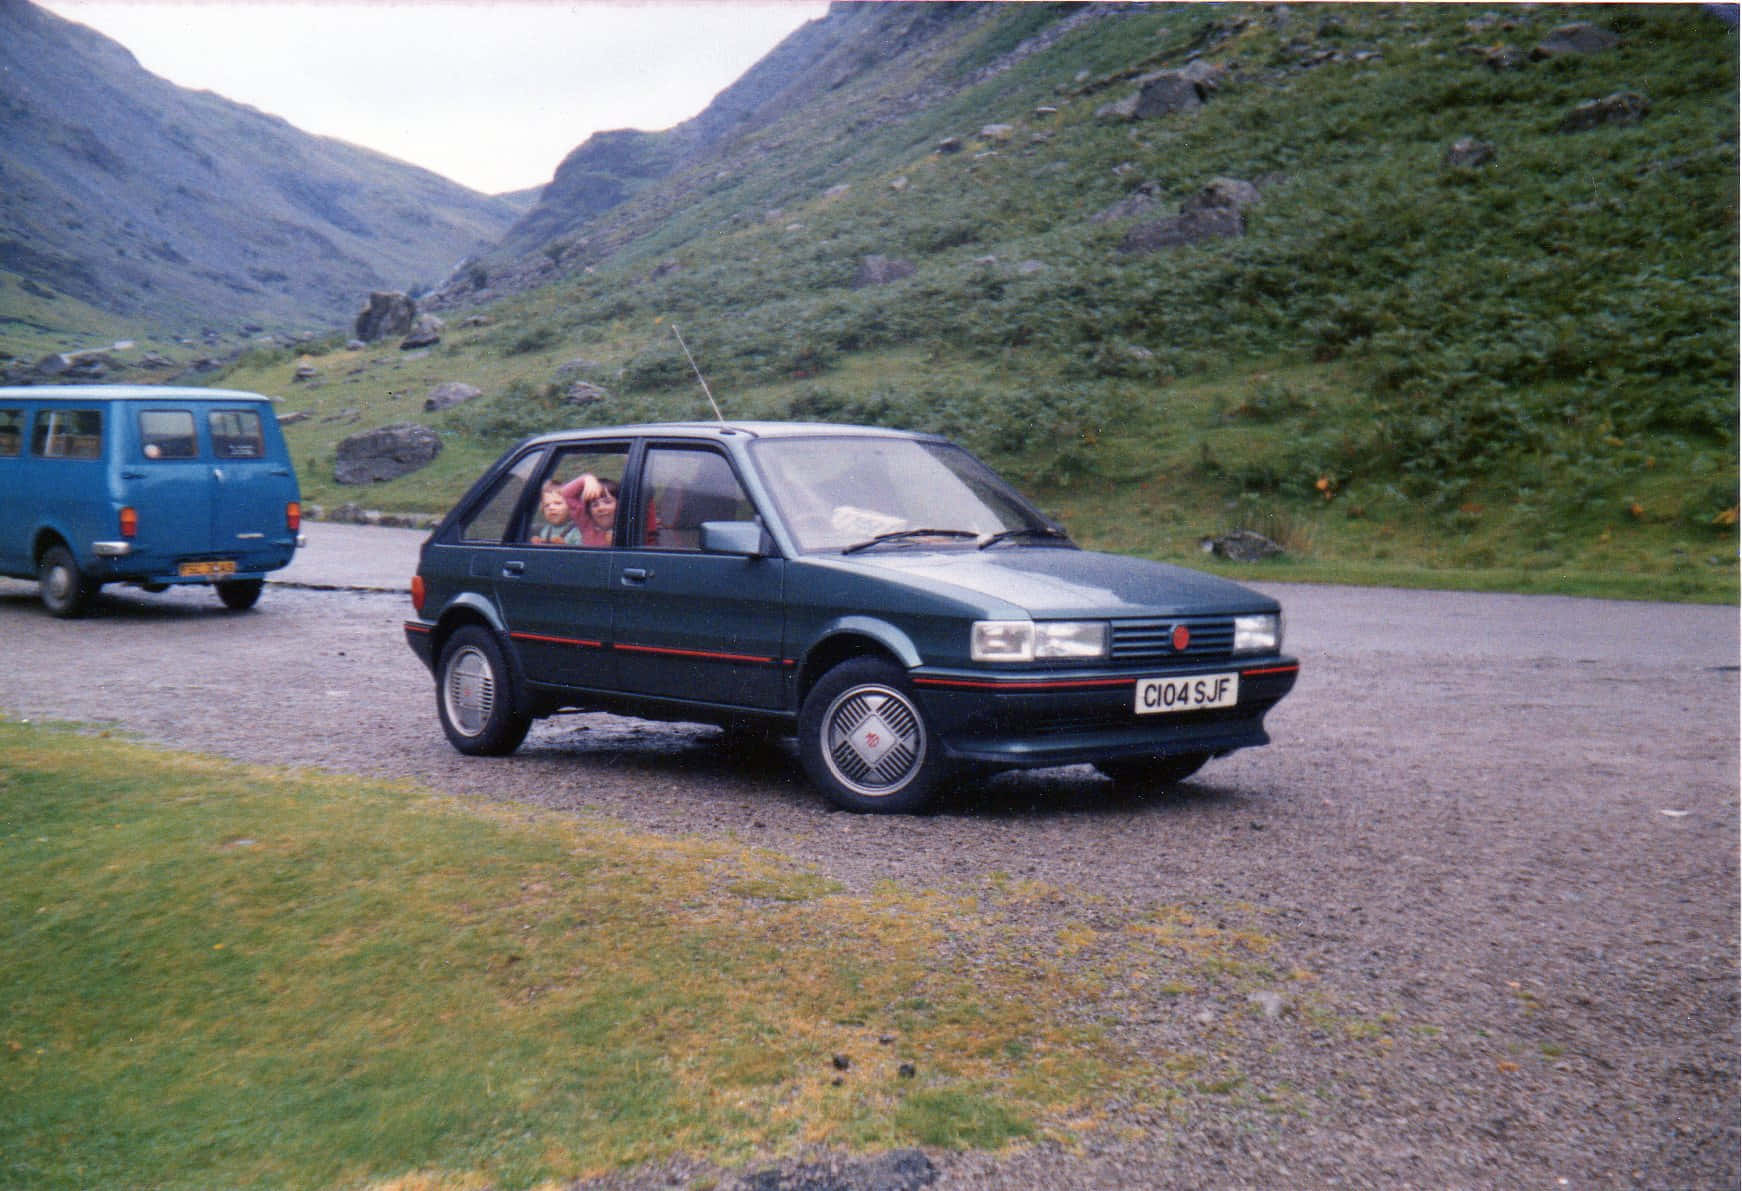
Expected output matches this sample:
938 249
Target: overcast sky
490 93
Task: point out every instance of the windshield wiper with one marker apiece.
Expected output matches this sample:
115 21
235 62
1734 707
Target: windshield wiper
899 534
1027 531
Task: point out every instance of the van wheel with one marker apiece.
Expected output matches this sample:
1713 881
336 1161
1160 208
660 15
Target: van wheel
65 590
239 595
475 695
865 742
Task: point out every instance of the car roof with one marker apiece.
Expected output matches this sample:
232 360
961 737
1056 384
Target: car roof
89 393
723 431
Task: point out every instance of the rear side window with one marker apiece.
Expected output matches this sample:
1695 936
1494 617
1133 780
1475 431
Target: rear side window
488 522
236 434
11 432
68 434
167 434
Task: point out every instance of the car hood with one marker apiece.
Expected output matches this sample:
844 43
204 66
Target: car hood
1055 583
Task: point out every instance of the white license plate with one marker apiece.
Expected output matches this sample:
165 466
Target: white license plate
1199 692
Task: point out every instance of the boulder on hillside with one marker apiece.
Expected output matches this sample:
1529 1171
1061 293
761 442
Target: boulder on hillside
1241 545
584 392
1623 107
450 393
425 332
878 269
1189 227
1468 153
1142 201
1231 193
385 453
387 314
1581 37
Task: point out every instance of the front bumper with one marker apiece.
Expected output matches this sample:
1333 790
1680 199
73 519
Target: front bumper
1072 717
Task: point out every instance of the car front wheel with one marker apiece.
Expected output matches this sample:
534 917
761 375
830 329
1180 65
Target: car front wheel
475 695
65 590
864 740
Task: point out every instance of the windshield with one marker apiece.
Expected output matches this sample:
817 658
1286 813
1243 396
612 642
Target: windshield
838 493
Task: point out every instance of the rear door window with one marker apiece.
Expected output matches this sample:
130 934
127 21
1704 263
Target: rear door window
167 434
490 518
236 434
68 434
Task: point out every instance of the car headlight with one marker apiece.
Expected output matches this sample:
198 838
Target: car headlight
1261 633
1045 640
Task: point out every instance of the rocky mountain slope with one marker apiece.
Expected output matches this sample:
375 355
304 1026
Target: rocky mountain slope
125 193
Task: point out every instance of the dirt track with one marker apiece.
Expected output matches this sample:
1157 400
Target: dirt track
1505 828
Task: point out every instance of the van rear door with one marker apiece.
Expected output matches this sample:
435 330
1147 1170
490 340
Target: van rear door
168 480
254 483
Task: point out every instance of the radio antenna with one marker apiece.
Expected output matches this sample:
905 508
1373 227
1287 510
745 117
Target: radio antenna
699 376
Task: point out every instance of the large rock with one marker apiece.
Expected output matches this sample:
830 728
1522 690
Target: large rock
1578 38
386 315
386 453
1189 227
425 332
450 393
877 269
1230 193
1623 107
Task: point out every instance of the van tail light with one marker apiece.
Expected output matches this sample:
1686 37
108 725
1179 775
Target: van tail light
417 593
293 515
129 522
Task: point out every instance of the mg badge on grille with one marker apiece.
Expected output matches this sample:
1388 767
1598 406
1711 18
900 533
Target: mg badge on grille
1182 638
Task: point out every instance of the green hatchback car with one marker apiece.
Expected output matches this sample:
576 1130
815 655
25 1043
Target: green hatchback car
883 595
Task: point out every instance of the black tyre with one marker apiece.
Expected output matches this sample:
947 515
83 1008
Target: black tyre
1153 772
475 695
239 595
66 592
865 742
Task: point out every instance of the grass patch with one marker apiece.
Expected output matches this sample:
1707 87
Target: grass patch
221 975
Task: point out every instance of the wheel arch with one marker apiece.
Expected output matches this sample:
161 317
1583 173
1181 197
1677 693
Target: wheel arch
854 637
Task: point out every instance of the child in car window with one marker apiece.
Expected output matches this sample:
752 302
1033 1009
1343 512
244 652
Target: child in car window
559 528
592 505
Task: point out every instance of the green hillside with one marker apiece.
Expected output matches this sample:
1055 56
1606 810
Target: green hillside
1520 373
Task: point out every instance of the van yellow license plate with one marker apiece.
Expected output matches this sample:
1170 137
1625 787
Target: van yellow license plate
216 567
1198 692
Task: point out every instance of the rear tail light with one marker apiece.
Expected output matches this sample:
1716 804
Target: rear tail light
293 515
417 593
129 522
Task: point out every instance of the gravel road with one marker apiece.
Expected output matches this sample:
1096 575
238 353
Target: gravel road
1501 829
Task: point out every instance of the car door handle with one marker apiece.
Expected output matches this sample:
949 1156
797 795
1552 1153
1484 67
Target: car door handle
636 574
514 569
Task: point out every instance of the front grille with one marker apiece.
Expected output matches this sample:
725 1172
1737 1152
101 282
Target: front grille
1152 640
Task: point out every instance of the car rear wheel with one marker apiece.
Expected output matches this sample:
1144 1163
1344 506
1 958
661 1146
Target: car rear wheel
66 592
239 595
1153 772
475 695
864 740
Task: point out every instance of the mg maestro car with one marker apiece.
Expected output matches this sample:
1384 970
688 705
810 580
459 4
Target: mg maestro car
885 596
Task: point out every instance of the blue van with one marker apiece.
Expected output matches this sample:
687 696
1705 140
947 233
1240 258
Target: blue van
146 485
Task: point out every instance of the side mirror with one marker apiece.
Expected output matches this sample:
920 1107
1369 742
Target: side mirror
745 538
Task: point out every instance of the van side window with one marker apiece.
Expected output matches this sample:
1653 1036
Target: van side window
167 434
11 432
236 434
489 523
68 434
